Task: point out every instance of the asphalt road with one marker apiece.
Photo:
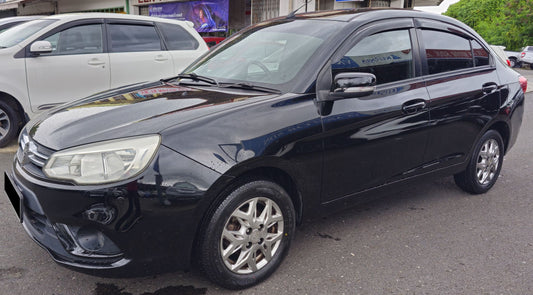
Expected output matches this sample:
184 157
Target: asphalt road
430 239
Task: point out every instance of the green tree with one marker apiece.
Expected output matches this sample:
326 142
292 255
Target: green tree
499 22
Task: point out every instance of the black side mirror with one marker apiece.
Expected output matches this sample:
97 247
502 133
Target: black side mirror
351 85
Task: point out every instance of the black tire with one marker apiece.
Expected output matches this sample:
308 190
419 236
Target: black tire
256 239
514 63
484 165
9 123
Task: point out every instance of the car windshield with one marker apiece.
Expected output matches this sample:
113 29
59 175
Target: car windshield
271 55
19 33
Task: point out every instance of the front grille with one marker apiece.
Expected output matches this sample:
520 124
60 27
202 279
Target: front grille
31 155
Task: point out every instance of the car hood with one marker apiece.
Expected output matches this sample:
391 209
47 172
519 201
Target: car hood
138 110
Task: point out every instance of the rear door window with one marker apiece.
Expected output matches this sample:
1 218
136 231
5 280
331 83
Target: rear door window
481 55
133 38
446 52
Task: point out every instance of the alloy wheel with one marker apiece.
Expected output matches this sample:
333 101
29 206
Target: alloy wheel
5 124
488 161
252 235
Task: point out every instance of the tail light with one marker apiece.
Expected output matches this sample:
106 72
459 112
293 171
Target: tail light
508 62
523 83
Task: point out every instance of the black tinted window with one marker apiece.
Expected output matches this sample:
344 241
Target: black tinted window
177 38
387 55
481 56
446 52
130 38
77 40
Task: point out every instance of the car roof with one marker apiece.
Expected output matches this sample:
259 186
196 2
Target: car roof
12 19
348 15
367 15
88 15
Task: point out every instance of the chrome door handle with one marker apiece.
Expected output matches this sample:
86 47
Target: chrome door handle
489 87
412 107
95 62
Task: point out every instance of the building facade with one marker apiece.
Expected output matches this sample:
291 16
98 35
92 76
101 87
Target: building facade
211 17
48 7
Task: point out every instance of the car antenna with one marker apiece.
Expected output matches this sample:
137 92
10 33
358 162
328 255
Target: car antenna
292 14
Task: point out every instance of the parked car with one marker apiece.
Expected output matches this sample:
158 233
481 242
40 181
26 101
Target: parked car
499 50
288 119
8 22
513 57
58 58
526 56
212 41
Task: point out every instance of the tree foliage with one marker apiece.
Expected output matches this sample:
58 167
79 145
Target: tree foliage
499 22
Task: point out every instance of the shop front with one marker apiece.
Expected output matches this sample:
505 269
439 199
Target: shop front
48 7
211 18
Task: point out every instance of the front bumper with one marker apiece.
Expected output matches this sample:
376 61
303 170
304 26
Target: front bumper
60 244
154 217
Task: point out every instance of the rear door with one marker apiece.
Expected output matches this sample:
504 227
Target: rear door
381 138
464 90
77 67
136 53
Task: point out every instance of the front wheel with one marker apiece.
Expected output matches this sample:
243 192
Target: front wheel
248 235
9 123
484 166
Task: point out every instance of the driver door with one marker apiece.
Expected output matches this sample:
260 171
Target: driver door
77 67
381 138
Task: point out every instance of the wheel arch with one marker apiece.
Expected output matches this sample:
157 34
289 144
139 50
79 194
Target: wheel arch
503 129
270 173
13 102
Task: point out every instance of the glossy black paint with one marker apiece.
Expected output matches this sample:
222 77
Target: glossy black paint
326 154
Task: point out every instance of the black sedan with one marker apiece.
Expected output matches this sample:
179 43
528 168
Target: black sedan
288 119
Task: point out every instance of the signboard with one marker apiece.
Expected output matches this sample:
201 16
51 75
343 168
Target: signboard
207 16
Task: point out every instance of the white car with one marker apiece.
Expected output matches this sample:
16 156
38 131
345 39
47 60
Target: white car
526 56
51 60
8 22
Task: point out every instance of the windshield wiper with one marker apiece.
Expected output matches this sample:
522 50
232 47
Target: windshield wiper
249 86
193 77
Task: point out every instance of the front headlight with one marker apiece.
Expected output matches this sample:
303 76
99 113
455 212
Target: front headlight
103 162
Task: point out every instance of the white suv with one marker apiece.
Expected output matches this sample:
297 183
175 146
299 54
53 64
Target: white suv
48 61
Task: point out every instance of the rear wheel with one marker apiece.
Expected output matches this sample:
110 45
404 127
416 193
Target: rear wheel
248 235
9 123
484 166
513 62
